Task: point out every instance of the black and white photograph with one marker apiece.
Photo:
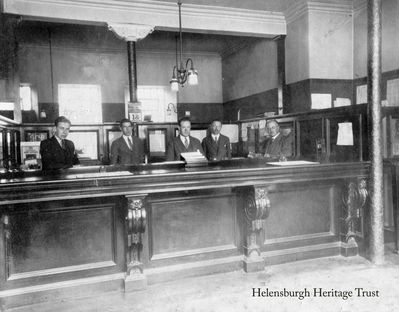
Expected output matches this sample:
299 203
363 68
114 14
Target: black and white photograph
199 155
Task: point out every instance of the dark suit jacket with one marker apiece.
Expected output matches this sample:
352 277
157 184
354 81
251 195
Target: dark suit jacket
176 147
217 151
121 153
54 157
281 146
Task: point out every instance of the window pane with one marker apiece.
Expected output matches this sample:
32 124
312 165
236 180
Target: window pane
25 97
80 103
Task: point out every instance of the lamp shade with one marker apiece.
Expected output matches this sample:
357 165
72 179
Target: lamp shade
174 85
192 78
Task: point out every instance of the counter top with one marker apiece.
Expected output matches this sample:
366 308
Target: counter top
84 182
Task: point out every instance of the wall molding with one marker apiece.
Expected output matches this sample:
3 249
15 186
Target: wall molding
300 8
163 15
72 268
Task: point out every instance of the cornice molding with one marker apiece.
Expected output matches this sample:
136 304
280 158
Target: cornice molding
302 7
140 52
163 15
359 5
130 32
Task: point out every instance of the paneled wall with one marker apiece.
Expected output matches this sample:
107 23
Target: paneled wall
250 80
51 54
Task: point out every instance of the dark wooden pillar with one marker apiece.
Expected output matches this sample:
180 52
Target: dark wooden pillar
131 53
281 89
132 33
376 247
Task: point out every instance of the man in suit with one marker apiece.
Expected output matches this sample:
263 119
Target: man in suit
58 152
276 146
183 143
216 145
126 150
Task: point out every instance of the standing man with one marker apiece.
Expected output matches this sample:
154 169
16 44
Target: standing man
216 145
58 152
126 150
184 143
276 146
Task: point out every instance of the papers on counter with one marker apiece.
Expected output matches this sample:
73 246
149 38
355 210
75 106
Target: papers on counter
102 174
292 163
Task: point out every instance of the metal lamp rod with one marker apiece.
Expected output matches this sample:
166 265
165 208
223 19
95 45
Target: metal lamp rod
181 35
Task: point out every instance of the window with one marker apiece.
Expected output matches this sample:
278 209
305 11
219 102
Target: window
25 95
154 101
80 103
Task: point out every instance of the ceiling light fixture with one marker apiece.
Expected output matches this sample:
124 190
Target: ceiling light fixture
181 74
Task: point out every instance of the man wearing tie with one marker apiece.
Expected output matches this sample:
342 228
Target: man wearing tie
58 152
216 145
276 146
184 143
126 150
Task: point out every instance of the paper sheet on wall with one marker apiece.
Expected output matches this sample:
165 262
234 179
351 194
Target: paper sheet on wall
262 124
361 94
157 141
345 133
394 137
393 92
339 102
231 131
244 132
321 100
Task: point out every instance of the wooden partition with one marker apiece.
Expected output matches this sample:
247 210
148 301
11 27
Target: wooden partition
315 133
82 231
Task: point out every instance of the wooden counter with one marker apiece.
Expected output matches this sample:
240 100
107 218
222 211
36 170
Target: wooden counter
94 229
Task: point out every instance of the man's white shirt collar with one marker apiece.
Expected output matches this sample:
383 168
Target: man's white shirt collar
59 140
183 139
215 136
127 139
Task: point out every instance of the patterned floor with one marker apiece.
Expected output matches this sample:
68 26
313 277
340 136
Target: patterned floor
233 292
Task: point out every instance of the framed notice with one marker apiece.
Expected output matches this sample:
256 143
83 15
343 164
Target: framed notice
36 136
86 143
156 139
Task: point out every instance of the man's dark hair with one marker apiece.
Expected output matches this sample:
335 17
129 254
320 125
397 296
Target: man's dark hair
125 120
216 120
61 119
184 119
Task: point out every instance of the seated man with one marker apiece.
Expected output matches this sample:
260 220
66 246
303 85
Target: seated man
184 143
216 145
276 145
127 149
58 152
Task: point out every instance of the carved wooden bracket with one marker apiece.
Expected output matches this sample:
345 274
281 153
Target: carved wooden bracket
354 199
130 32
136 224
256 210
